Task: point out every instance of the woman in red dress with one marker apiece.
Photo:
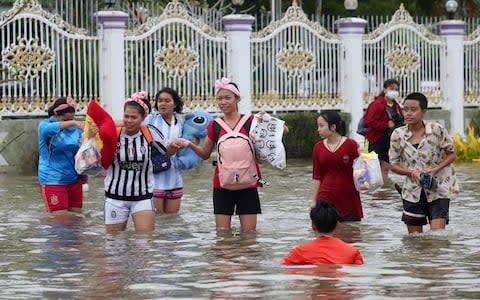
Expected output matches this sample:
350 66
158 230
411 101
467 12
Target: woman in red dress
332 167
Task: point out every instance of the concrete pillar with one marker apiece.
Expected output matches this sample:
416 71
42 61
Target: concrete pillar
351 31
453 32
111 25
238 29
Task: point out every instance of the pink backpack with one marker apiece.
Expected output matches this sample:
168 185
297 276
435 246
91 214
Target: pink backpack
236 158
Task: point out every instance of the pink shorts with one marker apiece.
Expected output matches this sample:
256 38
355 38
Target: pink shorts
62 196
168 194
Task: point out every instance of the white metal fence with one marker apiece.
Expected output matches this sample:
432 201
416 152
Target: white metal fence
472 68
47 58
178 51
295 65
406 51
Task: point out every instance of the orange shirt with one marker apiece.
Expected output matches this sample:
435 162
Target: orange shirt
324 250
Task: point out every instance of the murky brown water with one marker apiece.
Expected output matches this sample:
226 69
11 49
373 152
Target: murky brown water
58 257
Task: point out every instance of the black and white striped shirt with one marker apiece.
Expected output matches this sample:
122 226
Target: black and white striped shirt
130 176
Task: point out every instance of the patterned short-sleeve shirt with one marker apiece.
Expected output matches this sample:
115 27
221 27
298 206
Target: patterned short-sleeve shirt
431 151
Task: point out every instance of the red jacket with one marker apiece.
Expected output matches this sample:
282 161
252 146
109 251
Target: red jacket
376 118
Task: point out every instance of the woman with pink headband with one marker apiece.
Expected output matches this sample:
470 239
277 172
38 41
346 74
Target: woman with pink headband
58 140
129 180
244 202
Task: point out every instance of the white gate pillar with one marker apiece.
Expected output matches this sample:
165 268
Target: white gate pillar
238 29
454 31
112 25
351 31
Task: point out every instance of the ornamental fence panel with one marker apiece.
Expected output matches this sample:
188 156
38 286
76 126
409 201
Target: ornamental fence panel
406 51
43 58
295 65
176 50
472 69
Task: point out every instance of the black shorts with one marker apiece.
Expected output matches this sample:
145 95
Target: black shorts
244 202
417 214
381 147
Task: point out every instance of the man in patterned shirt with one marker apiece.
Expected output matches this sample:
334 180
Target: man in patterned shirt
424 153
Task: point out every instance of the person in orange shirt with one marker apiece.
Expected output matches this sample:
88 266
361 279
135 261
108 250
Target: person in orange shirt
325 249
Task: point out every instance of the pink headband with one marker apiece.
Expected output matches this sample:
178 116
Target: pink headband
226 84
138 98
70 103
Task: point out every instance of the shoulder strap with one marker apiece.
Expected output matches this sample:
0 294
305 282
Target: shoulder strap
146 132
242 122
223 124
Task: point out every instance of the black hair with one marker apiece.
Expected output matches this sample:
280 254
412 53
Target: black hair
387 83
138 107
333 118
324 216
57 103
421 98
175 96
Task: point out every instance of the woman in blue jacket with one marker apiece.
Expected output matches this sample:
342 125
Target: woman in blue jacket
59 138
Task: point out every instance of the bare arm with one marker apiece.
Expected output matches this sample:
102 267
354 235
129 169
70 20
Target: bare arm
202 151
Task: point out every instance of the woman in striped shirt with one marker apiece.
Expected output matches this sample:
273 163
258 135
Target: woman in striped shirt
129 180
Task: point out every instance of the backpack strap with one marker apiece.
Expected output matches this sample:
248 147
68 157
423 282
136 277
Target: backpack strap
244 121
146 132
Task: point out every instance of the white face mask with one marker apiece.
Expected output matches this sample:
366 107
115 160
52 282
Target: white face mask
391 94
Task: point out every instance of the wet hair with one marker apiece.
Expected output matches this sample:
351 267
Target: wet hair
176 99
421 98
137 106
333 118
387 83
58 102
324 216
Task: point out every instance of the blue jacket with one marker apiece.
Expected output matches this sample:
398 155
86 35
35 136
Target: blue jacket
57 151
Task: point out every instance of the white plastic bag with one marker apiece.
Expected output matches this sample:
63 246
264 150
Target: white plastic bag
266 134
367 174
87 159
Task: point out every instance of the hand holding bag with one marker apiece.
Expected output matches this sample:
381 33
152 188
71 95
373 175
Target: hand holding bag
88 159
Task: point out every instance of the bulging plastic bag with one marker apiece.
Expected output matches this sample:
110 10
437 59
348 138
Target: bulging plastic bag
266 134
367 174
88 159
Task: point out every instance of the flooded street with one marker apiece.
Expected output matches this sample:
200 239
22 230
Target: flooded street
56 257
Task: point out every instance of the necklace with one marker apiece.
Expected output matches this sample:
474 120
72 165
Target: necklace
334 147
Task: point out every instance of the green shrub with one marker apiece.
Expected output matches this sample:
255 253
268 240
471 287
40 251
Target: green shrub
302 133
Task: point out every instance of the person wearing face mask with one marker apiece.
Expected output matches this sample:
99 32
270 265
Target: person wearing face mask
383 115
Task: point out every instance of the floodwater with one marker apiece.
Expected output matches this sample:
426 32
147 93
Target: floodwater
58 257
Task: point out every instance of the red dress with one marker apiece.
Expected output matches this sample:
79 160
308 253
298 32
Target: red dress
335 173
